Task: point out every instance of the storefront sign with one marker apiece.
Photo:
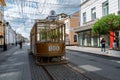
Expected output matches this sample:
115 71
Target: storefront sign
53 48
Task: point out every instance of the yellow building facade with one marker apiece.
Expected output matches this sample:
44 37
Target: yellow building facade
2 4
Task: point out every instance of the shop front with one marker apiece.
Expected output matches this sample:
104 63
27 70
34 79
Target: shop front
86 38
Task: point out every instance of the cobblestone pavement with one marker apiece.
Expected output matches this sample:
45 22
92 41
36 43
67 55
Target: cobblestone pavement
58 72
61 72
37 73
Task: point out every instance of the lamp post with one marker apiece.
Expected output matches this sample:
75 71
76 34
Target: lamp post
5 46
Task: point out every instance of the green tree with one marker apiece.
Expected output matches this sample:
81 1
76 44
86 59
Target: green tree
43 34
107 23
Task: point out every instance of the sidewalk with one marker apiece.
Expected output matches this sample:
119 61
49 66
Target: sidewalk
1 49
8 47
97 51
14 64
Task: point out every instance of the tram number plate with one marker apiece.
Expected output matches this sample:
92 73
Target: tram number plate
54 48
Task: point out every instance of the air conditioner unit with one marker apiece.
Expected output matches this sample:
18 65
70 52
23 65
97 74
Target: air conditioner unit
119 12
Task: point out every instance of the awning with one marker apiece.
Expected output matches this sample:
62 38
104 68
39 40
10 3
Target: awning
86 26
82 28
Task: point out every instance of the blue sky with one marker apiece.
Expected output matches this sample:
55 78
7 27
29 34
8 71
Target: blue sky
22 13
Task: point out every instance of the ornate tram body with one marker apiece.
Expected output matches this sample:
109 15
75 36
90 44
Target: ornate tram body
48 41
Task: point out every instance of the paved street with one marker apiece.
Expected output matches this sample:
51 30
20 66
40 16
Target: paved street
96 67
14 64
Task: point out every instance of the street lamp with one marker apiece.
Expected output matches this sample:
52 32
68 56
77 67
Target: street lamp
5 46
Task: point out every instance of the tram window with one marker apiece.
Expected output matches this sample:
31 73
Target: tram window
38 37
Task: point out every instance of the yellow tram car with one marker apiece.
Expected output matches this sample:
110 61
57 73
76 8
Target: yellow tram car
48 41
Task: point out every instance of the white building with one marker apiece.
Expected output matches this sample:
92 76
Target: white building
18 38
10 35
90 11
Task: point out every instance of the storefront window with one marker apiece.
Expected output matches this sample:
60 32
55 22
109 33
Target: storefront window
85 38
95 40
80 38
117 38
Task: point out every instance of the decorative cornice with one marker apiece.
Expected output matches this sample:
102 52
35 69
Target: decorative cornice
84 2
86 26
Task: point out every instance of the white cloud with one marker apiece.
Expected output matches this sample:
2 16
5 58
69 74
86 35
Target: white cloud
24 31
21 13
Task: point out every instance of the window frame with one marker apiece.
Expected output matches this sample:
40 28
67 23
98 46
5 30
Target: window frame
93 13
105 6
84 17
118 4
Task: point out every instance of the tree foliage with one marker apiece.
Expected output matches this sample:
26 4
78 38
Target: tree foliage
43 34
54 34
107 23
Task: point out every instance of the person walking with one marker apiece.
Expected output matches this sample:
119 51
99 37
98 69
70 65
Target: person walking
20 44
103 45
16 43
114 45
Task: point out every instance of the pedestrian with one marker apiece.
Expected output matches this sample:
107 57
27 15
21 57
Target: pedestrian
16 43
103 45
114 45
20 44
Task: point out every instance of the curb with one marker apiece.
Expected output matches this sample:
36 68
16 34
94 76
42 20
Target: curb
98 55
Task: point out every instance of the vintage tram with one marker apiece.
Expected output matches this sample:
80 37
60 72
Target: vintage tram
48 41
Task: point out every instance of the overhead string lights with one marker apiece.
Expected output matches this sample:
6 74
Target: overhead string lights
16 10
43 7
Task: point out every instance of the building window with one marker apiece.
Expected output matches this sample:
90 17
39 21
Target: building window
67 25
105 8
84 17
93 13
75 38
118 4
